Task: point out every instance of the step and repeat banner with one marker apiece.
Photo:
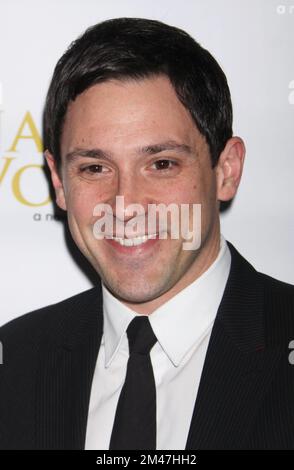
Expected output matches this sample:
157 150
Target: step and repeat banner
254 43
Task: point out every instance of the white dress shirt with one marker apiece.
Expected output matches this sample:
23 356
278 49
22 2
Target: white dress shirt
182 326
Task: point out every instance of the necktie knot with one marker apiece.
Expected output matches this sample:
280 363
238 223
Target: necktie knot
140 335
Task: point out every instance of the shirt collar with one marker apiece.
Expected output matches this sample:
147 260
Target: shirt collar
179 323
117 317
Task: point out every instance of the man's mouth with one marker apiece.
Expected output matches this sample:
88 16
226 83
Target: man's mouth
136 245
135 241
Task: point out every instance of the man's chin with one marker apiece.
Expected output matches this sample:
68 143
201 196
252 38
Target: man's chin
132 294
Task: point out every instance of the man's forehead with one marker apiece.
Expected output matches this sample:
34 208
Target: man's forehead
144 122
156 89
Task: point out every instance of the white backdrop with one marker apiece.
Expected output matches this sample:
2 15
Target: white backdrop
254 43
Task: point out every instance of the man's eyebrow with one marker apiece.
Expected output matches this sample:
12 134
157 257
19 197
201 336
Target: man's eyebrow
152 149
90 153
168 145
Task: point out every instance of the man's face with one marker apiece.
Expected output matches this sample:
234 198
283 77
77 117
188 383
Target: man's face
116 120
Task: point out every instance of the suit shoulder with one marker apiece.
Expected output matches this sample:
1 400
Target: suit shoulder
279 310
277 289
41 322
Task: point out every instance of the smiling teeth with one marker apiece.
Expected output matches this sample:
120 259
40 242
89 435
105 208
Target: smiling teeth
133 241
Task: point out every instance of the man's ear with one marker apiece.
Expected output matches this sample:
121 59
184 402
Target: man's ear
229 168
56 180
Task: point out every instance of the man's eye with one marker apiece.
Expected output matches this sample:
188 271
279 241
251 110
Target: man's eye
92 169
164 164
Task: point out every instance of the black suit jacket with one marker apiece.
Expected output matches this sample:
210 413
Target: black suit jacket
246 394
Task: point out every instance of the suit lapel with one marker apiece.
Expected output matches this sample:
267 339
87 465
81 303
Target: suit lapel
237 369
65 377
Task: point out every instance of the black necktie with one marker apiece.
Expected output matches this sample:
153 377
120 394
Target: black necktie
135 419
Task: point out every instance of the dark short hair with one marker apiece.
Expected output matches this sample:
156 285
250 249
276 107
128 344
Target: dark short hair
137 48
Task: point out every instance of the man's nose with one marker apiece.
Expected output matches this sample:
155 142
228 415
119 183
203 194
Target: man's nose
131 199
